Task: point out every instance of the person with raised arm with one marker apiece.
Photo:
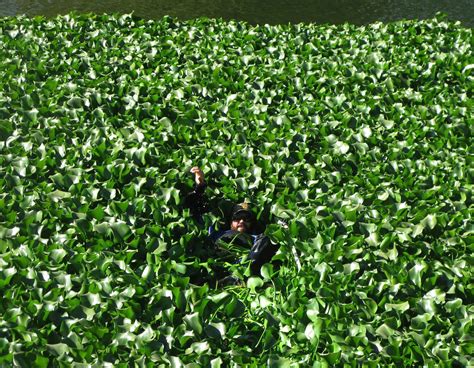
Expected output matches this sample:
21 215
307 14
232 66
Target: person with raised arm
241 237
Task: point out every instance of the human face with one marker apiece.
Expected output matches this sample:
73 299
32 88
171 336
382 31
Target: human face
241 224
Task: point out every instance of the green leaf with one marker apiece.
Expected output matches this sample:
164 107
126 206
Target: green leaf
429 221
57 195
415 273
216 363
217 298
41 362
120 229
97 213
401 307
241 184
453 305
199 347
384 331
267 271
254 282
194 322
58 349
6 129
75 102
57 255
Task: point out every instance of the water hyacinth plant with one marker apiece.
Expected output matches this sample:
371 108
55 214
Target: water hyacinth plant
358 137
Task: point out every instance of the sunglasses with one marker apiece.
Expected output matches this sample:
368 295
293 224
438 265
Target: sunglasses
242 216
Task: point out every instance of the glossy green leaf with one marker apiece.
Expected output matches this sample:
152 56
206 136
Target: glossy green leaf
352 143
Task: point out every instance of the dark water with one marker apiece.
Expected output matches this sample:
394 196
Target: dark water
257 11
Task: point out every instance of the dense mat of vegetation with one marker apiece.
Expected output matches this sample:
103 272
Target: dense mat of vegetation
359 137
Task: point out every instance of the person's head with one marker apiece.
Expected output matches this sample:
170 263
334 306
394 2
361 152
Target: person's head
242 219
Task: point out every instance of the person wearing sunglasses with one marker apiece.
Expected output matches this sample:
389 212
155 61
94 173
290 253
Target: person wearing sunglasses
242 237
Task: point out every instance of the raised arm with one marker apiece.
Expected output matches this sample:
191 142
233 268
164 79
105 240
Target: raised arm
198 176
196 200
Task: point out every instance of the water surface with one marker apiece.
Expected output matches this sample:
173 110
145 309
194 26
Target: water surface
256 11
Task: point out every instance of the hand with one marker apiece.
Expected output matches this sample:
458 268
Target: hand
198 175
